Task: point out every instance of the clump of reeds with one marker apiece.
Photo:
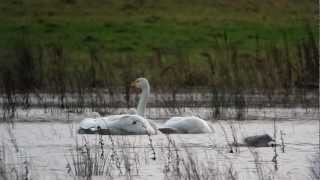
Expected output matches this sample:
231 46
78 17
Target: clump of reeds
10 170
117 159
262 172
172 164
182 163
282 134
3 164
275 153
233 144
315 166
234 132
88 161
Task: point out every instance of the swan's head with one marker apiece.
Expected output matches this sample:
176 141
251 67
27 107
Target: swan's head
141 83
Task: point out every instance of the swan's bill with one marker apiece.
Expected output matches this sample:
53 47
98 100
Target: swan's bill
134 83
135 87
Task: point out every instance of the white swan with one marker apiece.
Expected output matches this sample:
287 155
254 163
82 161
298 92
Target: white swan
185 125
125 124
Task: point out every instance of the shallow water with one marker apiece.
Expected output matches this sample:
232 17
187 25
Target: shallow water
45 147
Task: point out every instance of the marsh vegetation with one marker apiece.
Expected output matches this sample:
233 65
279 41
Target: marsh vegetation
63 46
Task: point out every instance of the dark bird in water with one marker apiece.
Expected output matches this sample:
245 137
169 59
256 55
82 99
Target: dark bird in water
259 141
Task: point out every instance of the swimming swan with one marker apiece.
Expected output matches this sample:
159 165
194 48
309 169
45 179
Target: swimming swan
186 125
125 124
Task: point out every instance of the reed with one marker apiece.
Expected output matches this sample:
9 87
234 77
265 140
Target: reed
9 169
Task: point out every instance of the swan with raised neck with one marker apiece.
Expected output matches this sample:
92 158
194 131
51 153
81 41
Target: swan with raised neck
143 84
125 124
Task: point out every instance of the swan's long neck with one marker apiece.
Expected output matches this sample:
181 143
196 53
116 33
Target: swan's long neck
143 100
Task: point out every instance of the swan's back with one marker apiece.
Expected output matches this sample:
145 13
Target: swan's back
128 124
189 124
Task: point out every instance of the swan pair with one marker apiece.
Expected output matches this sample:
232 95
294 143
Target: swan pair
135 123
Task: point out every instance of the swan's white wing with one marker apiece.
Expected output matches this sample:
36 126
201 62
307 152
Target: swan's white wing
128 124
186 125
91 126
125 124
87 123
92 123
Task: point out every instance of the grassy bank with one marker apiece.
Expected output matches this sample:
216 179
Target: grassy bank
66 45
138 26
